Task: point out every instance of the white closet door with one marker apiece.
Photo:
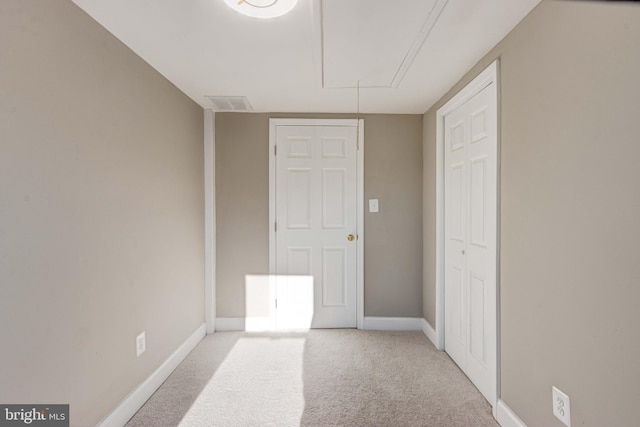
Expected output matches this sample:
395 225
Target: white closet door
470 239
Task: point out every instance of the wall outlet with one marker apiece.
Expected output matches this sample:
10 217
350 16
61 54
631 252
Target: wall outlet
141 344
561 406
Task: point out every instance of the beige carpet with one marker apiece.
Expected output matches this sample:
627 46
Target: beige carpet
339 377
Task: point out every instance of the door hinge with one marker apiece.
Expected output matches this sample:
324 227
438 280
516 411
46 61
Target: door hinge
276 303
275 150
275 226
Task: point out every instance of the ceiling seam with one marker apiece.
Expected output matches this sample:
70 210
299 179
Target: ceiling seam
424 33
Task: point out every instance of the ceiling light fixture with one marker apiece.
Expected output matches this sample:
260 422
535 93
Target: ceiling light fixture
262 8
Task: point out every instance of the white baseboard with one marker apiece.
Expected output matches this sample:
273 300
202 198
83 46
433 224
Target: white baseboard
230 324
134 401
370 323
253 324
393 323
506 417
430 333
259 324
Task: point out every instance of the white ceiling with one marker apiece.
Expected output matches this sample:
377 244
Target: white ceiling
404 54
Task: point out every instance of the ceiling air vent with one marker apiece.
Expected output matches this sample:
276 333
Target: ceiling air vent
230 103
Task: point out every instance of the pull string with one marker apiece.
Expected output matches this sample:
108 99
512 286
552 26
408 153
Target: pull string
358 114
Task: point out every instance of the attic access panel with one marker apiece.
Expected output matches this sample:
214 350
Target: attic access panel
372 41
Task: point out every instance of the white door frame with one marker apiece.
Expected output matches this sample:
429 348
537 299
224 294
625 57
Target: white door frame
488 76
209 220
359 124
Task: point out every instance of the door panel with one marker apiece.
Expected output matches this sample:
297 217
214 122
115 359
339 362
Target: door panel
334 277
294 295
456 318
298 147
334 147
298 198
476 317
334 193
299 261
456 216
478 201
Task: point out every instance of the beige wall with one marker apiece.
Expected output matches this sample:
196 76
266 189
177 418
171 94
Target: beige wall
393 243
101 212
429 219
569 215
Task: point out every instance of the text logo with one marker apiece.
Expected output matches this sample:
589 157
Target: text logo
34 415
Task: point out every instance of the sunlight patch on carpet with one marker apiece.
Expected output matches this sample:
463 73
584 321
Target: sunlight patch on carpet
259 383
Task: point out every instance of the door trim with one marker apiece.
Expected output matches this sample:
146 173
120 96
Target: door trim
488 76
356 123
210 220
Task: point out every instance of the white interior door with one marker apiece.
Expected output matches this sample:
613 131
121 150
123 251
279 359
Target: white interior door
470 223
316 225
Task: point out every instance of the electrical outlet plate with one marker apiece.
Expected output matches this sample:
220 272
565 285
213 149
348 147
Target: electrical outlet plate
141 344
561 406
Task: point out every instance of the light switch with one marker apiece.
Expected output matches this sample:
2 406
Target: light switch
373 205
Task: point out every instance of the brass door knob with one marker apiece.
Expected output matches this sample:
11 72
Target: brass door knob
350 237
